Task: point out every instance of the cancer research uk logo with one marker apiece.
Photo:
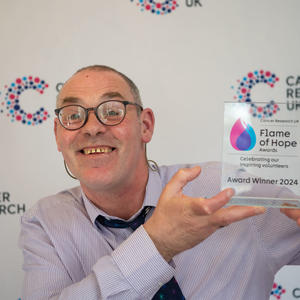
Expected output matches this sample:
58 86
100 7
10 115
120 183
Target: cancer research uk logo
155 7
245 86
277 291
242 136
163 7
12 104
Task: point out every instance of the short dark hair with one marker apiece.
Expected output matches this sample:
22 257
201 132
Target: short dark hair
133 88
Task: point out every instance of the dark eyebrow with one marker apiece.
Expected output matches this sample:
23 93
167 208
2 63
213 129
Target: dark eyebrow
111 95
106 96
70 100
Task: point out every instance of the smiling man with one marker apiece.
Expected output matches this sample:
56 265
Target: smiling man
130 231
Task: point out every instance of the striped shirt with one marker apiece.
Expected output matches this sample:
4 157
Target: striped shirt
67 257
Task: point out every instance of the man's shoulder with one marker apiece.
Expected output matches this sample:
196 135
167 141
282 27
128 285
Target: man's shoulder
207 168
207 184
69 199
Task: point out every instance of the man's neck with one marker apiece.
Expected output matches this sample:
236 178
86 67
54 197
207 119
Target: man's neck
122 202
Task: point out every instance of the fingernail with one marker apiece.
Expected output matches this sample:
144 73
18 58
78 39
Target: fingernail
230 193
259 209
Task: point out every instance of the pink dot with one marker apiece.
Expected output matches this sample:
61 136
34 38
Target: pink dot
174 2
261 71
268 74
283 291
41 92
11 96
250 75
148 7
18 118
45 113
36 79
173 7
244 90
46 85
45 118
271 85
29 116
259 109
277 79
18 80
30 77
158 5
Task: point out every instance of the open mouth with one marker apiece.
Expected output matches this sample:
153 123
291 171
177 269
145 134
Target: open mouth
97 150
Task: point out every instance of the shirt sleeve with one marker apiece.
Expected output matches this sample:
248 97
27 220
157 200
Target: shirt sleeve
134 270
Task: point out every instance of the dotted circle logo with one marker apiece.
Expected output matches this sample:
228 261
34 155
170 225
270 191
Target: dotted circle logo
277 291
242 136
158 8
12 100
246 84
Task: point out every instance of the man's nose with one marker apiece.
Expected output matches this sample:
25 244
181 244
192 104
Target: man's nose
93 126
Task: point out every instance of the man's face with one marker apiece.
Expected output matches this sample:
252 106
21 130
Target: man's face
103 157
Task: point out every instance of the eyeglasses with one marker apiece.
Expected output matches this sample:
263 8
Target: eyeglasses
110 113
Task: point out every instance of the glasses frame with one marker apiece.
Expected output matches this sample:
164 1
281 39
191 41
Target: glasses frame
87 110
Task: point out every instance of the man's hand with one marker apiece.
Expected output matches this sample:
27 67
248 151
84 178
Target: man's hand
294 214
180 222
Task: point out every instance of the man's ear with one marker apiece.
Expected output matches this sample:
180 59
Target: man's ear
147 124
56 134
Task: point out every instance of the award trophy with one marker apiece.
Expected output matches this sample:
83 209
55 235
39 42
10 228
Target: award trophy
261 154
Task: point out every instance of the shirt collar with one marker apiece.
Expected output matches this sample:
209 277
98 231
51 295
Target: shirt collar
153 191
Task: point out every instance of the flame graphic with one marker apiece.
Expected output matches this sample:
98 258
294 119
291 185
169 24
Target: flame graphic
242 136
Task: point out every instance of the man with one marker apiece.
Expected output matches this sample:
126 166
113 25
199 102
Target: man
74 250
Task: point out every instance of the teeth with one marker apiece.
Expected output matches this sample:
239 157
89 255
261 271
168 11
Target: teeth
97 150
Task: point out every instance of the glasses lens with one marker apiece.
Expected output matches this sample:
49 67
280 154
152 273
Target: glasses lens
72 117
111 112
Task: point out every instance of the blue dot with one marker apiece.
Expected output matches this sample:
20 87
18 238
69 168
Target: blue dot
29 123
40 121
31 83
43 81
17 107
158 12
13 84
8 102
248 100
245 78
11 111
23 121
9 90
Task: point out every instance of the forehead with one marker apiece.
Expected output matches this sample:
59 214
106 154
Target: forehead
91 87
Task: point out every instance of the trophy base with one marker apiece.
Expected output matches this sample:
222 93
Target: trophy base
266 202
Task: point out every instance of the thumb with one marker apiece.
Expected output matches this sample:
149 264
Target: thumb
180 179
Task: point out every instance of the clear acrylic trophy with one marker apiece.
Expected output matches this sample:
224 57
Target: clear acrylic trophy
261 154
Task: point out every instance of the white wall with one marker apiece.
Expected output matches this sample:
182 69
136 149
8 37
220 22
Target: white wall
185 64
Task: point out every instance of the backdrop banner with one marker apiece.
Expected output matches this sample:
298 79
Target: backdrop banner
187 57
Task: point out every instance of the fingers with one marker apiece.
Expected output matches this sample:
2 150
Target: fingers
209 206
181 178
228 215
292 213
